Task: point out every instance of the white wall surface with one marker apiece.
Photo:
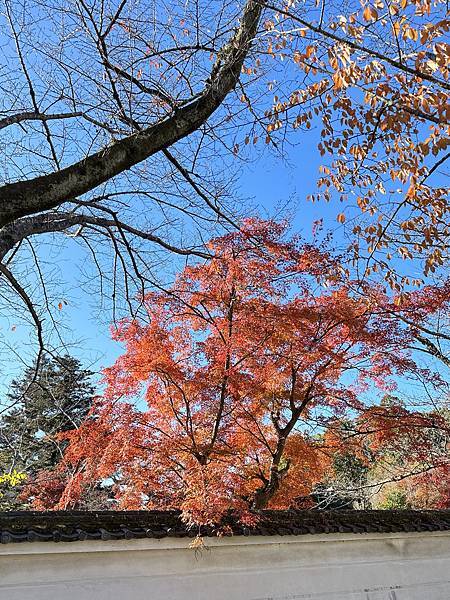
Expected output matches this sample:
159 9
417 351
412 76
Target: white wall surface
409 566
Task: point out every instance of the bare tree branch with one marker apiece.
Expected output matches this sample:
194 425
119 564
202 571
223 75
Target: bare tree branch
49 191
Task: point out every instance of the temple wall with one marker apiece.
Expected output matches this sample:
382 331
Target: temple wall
396 566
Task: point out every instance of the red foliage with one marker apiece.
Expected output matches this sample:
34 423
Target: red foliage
235 358
45 490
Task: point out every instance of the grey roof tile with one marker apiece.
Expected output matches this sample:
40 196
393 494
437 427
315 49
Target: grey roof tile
68 526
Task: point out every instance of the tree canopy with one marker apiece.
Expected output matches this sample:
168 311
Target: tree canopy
219 393
122 129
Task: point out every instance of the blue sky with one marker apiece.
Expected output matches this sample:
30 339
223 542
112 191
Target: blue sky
265 183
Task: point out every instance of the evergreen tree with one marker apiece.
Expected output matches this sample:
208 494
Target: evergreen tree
53 398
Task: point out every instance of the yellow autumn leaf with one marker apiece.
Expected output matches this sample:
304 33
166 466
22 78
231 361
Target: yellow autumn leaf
309 51
396 27
370 13
337 80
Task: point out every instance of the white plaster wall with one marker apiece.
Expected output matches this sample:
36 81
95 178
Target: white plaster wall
317 567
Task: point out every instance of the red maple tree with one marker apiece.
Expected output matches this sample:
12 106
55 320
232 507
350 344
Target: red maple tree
209 406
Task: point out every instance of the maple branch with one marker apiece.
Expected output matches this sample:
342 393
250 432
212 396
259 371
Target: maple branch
226 376
266 492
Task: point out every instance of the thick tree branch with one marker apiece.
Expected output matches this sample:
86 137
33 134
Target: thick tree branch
55 221
49 191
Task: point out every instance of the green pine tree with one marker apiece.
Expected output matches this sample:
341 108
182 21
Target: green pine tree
45 401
